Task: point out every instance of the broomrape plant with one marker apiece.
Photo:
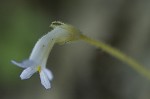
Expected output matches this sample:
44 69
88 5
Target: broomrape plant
62 33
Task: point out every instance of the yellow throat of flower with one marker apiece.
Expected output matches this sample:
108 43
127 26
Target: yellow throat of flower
39 69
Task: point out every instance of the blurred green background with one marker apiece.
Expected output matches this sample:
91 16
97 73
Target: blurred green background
80 71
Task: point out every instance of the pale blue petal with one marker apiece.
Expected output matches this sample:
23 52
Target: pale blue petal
44 80
28 72
24 64
48 73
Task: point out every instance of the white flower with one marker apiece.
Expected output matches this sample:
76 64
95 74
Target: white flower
61 33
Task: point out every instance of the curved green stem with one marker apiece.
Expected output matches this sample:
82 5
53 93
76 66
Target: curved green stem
118 54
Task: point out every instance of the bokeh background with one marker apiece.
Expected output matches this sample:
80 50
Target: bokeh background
80 70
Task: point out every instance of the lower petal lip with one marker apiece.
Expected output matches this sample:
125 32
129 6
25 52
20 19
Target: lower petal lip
27 73
44 80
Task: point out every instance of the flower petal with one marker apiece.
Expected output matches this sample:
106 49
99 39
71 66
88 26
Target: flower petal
24 64
44 80
42 48
16 63
27 73
48 73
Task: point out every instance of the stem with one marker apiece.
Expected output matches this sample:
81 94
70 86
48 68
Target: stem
118 54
